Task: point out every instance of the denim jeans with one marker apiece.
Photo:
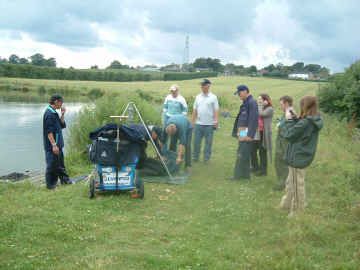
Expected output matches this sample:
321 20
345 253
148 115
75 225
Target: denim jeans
201 131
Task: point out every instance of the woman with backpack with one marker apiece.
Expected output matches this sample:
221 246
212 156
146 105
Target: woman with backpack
302 134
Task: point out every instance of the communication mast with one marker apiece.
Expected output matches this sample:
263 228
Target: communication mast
186 52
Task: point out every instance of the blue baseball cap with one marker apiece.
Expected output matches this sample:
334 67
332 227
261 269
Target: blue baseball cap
240 88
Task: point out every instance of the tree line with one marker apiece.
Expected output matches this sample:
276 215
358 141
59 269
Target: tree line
37 66
36 60
44 72
279 70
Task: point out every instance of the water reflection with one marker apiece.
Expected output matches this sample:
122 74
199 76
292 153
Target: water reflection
21 146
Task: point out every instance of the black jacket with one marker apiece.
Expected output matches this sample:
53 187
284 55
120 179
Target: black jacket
247 117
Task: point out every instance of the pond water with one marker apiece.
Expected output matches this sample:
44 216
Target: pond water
21 142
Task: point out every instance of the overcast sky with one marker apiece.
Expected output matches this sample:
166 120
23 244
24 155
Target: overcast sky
84 33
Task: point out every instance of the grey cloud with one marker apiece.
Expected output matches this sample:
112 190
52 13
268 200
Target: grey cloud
326 29
220 20
66 23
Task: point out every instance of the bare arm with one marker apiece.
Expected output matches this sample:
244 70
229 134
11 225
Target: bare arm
216 118
181 150
194 116
55 149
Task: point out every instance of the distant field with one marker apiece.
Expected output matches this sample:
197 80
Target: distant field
29 88
208 223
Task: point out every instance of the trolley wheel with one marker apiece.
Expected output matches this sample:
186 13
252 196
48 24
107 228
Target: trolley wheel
92 188
139 184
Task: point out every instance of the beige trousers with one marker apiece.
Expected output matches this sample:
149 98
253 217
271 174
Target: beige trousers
294 198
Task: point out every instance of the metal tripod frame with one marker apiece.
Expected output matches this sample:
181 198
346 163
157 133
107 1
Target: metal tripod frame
148 133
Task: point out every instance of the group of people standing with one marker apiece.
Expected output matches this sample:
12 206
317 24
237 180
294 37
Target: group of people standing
179 128
296 143
295 149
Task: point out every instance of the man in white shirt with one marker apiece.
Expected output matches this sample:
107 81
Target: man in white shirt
205 120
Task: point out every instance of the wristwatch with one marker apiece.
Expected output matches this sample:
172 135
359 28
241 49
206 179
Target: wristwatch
54 144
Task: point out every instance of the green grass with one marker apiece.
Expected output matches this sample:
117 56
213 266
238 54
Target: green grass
223 86
208 223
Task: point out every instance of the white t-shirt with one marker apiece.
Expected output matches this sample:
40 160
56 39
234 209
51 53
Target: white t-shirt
206 106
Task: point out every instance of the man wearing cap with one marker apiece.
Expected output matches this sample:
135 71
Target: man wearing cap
244 130
54 143
205 120
174 103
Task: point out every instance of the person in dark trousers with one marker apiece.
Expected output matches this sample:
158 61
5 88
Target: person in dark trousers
281 168
244 130
54 142
303 135
179 126
262 148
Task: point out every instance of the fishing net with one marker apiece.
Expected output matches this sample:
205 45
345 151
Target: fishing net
153 170
162 168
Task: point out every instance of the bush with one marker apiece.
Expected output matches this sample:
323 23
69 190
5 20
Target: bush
342 95
95 93
41 90
144 95
37 72
190 102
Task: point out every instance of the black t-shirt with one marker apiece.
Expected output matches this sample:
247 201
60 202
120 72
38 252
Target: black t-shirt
52 124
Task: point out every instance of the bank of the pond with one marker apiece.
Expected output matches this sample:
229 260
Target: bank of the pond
208 223
21 135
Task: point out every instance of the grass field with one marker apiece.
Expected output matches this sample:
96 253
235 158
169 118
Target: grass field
208 223
74 90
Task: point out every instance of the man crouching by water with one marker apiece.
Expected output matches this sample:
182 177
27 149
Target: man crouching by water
54 142
244 130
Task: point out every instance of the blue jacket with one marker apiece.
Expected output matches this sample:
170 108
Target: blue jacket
52 124
247 117
183 128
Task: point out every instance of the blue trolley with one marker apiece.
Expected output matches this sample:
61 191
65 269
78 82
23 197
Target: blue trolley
116 151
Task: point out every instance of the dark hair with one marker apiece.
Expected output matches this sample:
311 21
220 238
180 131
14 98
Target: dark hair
287 99
267 98
205 82
308 106
157 130
54 98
